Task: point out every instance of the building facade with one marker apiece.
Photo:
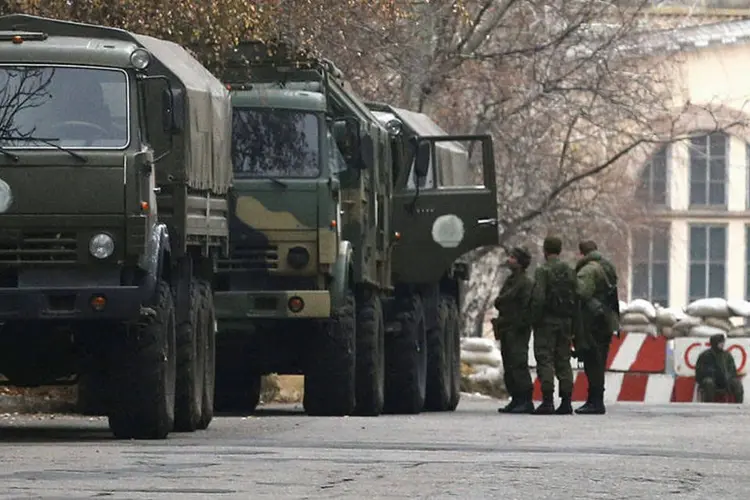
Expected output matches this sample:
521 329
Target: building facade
697 242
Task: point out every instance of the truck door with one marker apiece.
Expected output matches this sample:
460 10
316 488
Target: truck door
447 211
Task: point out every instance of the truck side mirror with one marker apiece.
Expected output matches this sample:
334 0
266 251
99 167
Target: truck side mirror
349 141
172 105
422 161
367 152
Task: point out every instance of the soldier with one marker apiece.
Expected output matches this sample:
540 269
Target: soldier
553 302
513 330
716 370
600 311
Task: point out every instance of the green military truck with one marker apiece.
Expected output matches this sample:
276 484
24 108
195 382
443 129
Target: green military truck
318 214
444 205
114 170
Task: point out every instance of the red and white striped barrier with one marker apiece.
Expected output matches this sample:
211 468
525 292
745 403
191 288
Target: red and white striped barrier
631 352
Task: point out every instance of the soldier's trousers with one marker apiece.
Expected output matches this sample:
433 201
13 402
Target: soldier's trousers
552 352
514 347
734 387
595 358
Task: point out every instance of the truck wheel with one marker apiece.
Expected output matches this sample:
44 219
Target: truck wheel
144 373
406 360
370 353
329 378
190 366
453 330
439 370
208 324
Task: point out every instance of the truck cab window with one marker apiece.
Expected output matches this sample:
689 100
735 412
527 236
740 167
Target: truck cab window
74 106
275 143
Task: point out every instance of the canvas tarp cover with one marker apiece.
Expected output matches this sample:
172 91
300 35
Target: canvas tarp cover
452 157
208 108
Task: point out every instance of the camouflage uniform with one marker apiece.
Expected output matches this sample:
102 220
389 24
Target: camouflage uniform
599 306
513 330
716 370
552 307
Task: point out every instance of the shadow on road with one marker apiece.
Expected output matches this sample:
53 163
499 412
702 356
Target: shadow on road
275 411
31 433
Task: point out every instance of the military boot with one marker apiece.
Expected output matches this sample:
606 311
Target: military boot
525 403
548 405
514 399
595 403
565 407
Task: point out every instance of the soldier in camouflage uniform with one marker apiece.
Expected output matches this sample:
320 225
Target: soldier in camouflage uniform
513 330
600 311
553 302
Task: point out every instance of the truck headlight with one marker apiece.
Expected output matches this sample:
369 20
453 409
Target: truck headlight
140 58
101 246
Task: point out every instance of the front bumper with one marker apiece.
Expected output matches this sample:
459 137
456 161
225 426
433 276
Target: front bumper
122 303
237 306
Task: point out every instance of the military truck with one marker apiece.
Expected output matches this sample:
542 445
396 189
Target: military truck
444 205
308 288
114 168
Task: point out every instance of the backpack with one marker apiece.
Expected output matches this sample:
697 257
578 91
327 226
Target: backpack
608 296
561 290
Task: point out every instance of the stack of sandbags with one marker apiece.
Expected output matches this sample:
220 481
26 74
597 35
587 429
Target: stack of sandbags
482 367
638 317
712 316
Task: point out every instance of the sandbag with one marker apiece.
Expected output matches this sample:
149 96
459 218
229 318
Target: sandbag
722 323
667 317
476 344
649 329
623 307
644 307
686 323
705 331
739 307
739 331
712 306
633 318
492 358
670 333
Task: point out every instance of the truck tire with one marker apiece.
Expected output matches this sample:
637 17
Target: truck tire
208 323
370 353
441 348
406 360
144 374
190 366
454 333
329 378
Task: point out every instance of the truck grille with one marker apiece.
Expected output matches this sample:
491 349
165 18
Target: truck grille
32 247
251 258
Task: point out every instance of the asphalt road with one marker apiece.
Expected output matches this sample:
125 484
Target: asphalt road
635 451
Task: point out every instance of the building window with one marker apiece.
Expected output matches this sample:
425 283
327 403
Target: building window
650 264
708 260
652 188
708 170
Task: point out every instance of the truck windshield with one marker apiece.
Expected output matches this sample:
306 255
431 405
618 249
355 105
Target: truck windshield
275 143
74 107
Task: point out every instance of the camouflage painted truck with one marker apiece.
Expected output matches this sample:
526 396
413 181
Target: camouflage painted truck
320 190
114 168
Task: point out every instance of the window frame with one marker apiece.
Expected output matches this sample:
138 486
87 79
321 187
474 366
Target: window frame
707 260
645 189
651 233
692 151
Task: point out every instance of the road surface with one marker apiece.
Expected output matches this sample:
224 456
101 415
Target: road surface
635 451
